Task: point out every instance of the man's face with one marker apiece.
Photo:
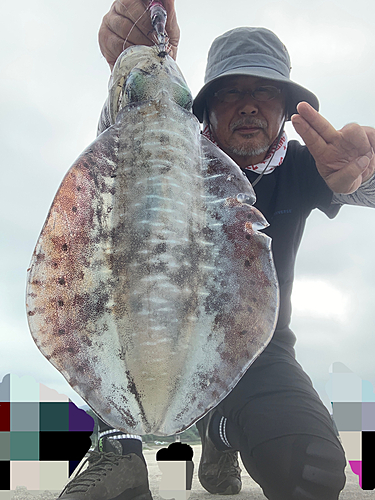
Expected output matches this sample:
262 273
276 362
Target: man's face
245 129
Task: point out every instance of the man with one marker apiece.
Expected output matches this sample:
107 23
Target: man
273 416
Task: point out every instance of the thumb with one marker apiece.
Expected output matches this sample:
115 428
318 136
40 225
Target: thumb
363 162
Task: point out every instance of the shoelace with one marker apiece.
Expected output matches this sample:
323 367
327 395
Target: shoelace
99 464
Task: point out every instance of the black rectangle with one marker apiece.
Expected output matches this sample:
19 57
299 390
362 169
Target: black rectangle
368 462
4 475
63 445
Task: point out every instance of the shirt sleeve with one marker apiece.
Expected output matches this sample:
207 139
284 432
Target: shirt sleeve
363 197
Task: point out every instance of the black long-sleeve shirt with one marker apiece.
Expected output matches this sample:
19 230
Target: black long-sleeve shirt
286 197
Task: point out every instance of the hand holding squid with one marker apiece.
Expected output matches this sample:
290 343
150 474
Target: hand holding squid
128 23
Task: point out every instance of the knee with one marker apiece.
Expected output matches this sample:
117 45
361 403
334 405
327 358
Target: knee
299 467
321 476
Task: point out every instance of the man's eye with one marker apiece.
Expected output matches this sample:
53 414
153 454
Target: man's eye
266 93
232 91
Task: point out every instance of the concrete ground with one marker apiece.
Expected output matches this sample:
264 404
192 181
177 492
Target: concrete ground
250 489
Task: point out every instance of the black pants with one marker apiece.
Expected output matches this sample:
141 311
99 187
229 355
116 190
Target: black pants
283 431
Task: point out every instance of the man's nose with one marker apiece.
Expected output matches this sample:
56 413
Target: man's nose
248 105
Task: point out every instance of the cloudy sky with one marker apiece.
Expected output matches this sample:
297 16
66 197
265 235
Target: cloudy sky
53 83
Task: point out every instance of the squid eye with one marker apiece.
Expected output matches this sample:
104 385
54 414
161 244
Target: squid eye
137 87
182 96
141 86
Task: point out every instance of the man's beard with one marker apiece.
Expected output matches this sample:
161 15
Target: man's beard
248 150
251 149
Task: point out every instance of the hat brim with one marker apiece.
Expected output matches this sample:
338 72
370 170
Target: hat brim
295 93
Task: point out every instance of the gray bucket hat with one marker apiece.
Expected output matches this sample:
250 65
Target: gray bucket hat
254 52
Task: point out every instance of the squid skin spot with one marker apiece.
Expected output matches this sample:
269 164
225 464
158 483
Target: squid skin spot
248 236
40 256
55 264
61 331
86 341
161 248
61 303
36 282
247 263
65 247
31 313
250 309
244 332
74 209
207 231
78 188
61 281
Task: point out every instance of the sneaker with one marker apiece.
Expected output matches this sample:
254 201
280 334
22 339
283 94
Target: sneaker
219 472
109 476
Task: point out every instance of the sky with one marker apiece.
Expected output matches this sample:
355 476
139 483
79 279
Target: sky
53 84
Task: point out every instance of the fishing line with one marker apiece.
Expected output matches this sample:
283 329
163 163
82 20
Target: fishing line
134 22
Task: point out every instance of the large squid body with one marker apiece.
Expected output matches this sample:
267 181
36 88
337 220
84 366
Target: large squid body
150 288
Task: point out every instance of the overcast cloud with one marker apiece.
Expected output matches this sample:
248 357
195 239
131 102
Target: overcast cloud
53 84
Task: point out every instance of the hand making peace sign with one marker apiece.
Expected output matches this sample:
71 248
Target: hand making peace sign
344 158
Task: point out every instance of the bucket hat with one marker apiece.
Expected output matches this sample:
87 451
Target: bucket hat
253 52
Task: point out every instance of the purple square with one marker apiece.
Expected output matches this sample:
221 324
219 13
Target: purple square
79 420
368 416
